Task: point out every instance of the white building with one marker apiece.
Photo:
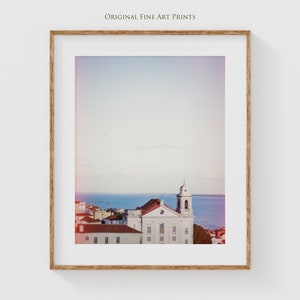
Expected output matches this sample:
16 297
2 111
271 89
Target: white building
160 224
80 207
107 234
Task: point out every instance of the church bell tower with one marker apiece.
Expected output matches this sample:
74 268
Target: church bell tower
184 201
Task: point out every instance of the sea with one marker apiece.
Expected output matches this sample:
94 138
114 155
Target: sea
209 210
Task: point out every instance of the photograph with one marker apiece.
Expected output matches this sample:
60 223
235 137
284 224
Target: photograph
150 149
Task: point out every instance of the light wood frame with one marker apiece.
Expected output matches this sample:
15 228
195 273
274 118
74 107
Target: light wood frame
55 266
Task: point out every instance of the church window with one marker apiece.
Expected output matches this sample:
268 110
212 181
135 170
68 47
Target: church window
95 240
118 240
174 229
149 229
106 240
174 238
186 231
161 228
186 204
149 239
161 238
186 241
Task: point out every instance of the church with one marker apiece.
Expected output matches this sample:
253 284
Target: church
161 224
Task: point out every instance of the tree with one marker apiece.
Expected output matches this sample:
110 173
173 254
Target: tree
201 236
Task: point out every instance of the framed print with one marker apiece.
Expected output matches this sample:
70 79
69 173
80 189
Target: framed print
150 150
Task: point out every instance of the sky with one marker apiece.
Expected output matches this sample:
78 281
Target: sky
145 123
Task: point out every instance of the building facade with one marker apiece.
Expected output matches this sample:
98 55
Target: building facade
161 224
107 234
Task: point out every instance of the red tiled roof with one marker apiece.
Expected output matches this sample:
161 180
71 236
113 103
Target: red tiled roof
151 205
114 217
220 232
82 214
89 219
114 228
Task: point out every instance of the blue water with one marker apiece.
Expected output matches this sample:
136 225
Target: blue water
209 211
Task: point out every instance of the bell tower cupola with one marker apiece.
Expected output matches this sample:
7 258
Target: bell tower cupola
184 201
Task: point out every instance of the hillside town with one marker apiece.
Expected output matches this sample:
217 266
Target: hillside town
152 223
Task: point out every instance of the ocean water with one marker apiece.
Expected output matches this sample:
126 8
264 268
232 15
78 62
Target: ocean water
209 210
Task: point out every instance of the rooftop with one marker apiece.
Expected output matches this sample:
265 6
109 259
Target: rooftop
114 217
153 204
89 219
113 228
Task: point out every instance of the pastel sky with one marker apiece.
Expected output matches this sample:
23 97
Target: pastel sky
143 124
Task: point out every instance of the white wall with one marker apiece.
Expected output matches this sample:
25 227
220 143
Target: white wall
125 238
24 116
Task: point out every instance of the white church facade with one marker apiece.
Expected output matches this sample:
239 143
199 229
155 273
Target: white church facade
161 224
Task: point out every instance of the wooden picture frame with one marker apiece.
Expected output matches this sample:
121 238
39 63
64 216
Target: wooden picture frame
234 48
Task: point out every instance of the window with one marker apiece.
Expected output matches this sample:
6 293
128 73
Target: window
149 229
106 240
174 238
173 229
87 238
186 204
161 228
161 238
186 231
95 240
186 241
148 238
118 240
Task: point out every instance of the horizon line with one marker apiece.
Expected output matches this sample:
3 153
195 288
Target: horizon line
153 193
